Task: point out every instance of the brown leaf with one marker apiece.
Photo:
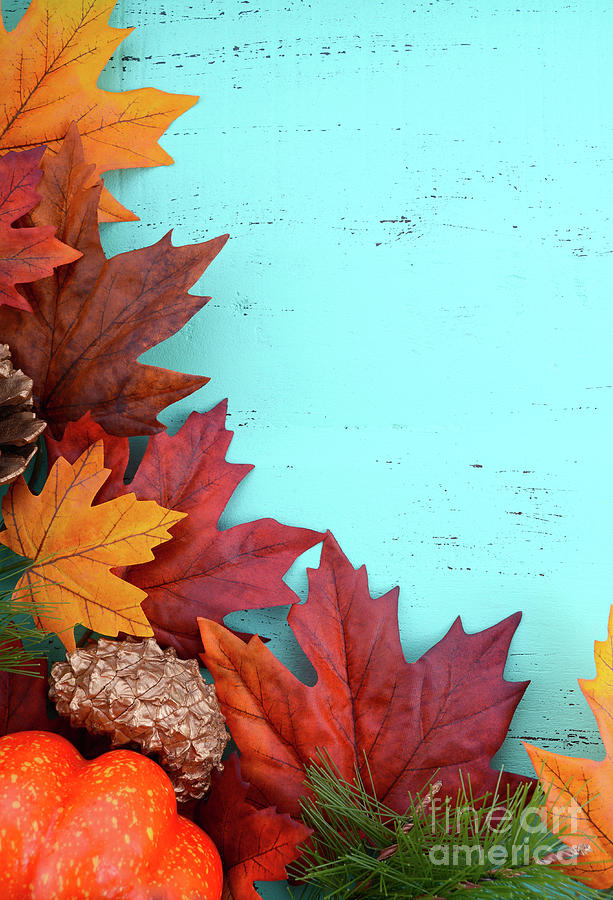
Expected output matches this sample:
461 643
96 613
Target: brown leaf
94 318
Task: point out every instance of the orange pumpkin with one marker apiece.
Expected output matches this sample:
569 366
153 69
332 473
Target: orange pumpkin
107 829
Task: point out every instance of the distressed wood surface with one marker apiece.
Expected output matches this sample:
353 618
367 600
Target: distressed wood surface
412 320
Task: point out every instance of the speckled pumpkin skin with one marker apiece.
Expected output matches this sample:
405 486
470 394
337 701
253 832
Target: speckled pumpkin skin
101 830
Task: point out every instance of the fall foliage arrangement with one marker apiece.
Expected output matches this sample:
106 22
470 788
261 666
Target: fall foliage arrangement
135 580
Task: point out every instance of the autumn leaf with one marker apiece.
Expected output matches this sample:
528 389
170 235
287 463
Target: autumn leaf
74 546
237 568
26 254
24 706
579 790
23 700
254 844
94 318
398 721
78 437
204 570
50 67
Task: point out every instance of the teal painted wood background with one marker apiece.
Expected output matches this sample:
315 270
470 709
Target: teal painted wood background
412 320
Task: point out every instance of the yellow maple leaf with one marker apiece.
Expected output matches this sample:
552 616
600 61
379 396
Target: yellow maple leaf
579 804
50 65
74 545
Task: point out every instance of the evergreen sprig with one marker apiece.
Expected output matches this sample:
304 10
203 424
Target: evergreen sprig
19 638
481 848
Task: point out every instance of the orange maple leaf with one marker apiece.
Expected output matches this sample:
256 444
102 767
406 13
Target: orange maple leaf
74 546
579 804
50 65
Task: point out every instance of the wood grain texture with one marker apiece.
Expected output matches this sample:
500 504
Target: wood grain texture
412 317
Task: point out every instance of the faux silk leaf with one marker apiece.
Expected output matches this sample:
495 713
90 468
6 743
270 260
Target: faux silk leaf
78 437
74 546
579 790
50 65
241 567
203 571
254 844
448 711
93 318
26 254
24 706
23 701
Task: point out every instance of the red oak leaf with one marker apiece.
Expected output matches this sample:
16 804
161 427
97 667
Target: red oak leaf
400 721
26 254
254 844
95 317
211 572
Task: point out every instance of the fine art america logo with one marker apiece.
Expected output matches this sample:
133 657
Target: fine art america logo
520 849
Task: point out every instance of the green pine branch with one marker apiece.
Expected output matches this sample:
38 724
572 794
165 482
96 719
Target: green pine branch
484 848
20 640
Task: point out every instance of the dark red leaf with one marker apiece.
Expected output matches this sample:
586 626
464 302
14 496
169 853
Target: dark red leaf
24 707
447 712
23 701
254 844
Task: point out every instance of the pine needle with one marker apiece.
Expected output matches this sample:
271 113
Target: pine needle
481 848
20 639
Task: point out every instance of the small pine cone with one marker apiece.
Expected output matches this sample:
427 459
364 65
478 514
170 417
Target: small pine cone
142 695
19 427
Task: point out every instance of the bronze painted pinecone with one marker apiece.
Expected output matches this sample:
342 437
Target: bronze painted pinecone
19 426
142 695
